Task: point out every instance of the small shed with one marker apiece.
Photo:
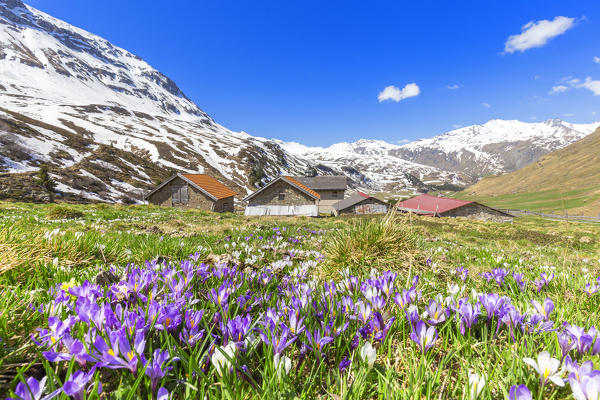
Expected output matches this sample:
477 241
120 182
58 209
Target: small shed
438 206
283 196
194 191
360 203
331 189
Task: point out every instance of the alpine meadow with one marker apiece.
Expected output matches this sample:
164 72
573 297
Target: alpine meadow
418 219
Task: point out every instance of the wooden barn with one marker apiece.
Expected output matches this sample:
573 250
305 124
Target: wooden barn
283 196
194 191
331 189
436 206
360 203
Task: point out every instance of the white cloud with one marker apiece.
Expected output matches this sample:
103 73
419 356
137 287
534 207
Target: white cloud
591 85
457 126
452 87
486 105
403 141
537 34
397 94
568 115
596 59
593 112
533 118
537 76
558 89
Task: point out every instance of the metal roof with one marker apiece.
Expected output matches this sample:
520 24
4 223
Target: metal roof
323 182
428 204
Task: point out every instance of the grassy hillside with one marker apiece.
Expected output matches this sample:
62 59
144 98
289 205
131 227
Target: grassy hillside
567 179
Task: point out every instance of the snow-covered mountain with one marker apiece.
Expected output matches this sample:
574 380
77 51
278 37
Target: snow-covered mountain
494 147
375 163
460 156
109 126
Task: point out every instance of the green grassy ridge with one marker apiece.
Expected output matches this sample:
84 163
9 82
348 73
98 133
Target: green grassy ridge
552 201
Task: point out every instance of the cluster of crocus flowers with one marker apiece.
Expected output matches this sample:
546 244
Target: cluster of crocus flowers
277 318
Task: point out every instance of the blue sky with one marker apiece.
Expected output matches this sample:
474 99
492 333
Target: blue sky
314 71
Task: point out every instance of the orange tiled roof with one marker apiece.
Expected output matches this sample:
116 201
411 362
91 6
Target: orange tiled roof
295 182
211 185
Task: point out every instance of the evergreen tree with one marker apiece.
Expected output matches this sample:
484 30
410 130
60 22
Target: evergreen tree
44 179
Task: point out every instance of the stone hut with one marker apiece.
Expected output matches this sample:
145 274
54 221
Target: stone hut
360 203
331 188
194 191
283 196
437 206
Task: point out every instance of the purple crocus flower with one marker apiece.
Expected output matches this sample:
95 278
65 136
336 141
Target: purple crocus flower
520 279
364 311
156 370
33 390
403 300
412 315
237 328
566 343
169 317
220 296
424 337
492 303
590 289
583 341
520 392
545 308
462 273
499 274
468 316
75 349
344 364
77 383
296 324
316 341
436 312
585 387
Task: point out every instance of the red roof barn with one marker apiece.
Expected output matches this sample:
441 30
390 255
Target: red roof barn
426 204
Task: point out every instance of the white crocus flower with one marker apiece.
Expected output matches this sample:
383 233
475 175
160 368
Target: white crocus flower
368 354
476 384
283 365
547 368
222 356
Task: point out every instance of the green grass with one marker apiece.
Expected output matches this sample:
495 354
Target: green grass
549 201
40 250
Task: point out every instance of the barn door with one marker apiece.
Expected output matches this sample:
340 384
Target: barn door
179 195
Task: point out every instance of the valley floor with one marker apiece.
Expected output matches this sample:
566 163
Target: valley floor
225 306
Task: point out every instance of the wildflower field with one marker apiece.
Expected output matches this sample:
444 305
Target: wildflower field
119 302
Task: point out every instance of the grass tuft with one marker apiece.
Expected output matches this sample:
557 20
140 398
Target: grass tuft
386 243
64 212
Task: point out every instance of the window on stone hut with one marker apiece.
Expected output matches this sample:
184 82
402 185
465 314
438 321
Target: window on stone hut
334 194
281 196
